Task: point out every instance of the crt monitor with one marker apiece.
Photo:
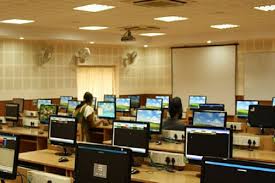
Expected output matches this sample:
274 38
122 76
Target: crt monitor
209 118
19 101
133 135
123 104
217 170
273 101
135 101
102 163
212 107
12 111
207 141
9 149
109 98
72 104
153 103
165 101
242 107
64 100
195 101
261 116
106 110
152 116
43 101
45 112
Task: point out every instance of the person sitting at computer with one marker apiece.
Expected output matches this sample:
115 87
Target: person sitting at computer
86 117
174 122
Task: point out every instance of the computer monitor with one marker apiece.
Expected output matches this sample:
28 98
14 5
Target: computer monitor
211 107
209 118
165 101
123 104
133 135
261 116
45 112
106 110
207 141
153 103
64 100
72 104
242 107
273 101
109 98
217 170
43 101
62 131
152 116
9 149
12 112
195 101
19 101
101 163
135 101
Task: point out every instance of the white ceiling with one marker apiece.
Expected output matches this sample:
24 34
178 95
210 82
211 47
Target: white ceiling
56 19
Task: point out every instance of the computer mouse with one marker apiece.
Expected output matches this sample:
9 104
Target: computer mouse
134 171
63 159
158 143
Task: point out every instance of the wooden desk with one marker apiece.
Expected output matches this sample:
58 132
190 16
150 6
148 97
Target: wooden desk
107 131
30 139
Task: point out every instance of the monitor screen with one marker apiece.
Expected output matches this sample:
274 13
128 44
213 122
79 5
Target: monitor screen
165 101
133 135
106 110
72 104
43 101
152 116
216 170
261 116
153 103
273 101
135 101
104 164
64 100
207 141
109 98
212 107
62 130
45 112
9 148
242 107
123 104
195 101
12 112
209 118
20 102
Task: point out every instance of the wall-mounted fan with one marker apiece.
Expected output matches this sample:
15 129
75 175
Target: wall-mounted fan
46 54
129 59
82 55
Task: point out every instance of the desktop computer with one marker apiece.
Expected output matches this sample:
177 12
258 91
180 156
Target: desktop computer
20 102
109 98
196 100
72 104
123 104
135 101
152 116
106 110
153 103
242 107
209 118
43 101
211 107
165 101
12 112
45 112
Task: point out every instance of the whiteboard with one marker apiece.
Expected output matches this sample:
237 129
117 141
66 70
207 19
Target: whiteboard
208 71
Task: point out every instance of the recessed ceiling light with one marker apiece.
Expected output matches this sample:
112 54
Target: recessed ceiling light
171 18
209 42
93 28
16 21
91 42
152 34
94 7
265 8
145 46
224 26
21 38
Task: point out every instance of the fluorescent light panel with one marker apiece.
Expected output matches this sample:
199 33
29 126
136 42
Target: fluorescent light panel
265 8
170 18
16 21
94 8
152 34
93 28
224 26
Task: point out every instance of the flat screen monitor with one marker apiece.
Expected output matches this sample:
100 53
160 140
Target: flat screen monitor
46 111
19 101
101 163
133 135
72 104
261 116
106 110
242 107
165 101
123 104
195 101
152 116
217 170
64 100
273 101
109 98
12 111
207 141
135 101
212 107
9 149
209 118
43 101
153 103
